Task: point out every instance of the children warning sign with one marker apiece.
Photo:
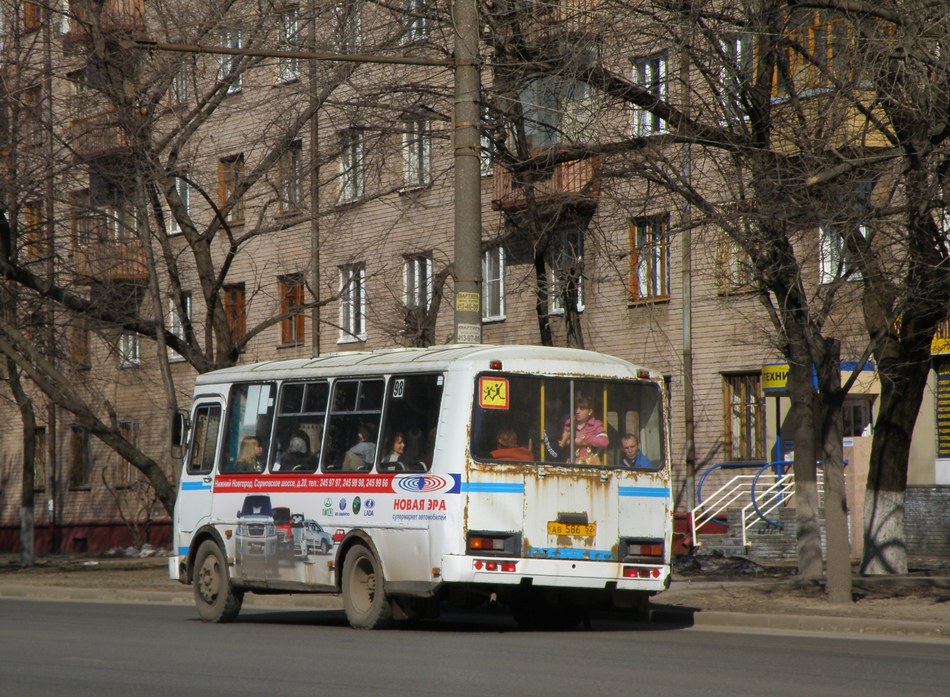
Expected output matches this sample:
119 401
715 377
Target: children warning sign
493 392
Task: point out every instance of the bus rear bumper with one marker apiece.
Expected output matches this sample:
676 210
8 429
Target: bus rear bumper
555 573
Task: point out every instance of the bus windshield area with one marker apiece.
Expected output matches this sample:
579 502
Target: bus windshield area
588 422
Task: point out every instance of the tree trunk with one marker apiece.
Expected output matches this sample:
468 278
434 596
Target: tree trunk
27 497
808 542
885 551
838 556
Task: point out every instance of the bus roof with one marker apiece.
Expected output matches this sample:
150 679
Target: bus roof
514 358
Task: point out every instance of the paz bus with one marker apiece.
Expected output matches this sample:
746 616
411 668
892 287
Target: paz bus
404 478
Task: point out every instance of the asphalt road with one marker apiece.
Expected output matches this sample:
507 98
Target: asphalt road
88 649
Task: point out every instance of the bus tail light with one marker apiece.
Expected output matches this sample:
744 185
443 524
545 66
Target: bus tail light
495 565
640 572
501 544
640 549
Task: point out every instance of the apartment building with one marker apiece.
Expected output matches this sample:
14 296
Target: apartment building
200 193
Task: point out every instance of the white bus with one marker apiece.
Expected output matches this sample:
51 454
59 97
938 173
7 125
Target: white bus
403 478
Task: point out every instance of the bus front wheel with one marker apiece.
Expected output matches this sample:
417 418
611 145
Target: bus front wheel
364 598
215 597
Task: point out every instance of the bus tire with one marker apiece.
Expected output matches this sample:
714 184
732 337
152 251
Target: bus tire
215 597
364 599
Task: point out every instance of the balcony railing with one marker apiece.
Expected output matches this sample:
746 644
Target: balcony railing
111 16
110 261
573 182
97 136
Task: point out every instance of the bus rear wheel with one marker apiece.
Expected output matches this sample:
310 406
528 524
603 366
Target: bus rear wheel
364 598
215 597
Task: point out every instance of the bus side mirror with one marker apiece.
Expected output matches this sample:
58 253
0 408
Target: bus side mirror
179 428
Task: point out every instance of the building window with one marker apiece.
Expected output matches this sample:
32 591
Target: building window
176 324
857 416
34 220
230 63
40 452
184 194
352 303
566 272
834 259
540 107
289 176
649 74
291 300
351 166
80 465
291 39
493 284
32 16
34 132
235 311
416 24
178 90
230 179
736 273
737 73
486 159
649 260
416 151
124 468
743 417
130 350
349 24
417 281
79 349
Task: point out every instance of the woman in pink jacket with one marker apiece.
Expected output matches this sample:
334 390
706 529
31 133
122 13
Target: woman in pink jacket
589 434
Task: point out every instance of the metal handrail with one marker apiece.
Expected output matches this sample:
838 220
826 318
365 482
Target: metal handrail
776 495
721 499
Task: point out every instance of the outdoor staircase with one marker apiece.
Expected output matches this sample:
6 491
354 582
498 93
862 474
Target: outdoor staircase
728 524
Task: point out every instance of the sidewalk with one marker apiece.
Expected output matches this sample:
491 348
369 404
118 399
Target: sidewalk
911 606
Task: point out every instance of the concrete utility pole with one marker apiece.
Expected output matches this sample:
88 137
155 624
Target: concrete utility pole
468 199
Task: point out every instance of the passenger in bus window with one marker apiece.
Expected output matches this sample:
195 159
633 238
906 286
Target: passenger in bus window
394 459
508 448
297 457
633 458
590 437
360 456
250 456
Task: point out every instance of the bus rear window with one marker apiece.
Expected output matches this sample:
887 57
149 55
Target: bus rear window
567 421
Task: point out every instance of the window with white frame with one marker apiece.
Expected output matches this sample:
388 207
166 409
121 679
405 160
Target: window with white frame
649 74
352 303
493 284
291 39
351 166
649 259
176 323
416 153
417 281
130 350
834 259
124 468
289 175
184 195
416 26
566 272
349 24
486 158
737 73
178 89
735 266
231 38
540 107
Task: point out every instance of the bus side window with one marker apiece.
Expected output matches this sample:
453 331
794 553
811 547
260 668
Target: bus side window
413 403
204 438
250 415
352 427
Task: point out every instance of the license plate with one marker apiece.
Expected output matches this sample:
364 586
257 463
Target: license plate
573 529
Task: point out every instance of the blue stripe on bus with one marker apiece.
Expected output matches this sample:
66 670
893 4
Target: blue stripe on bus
182 551
645 491
568 553
195 486
492 488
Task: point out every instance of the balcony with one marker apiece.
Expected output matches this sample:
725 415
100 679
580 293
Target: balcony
576 182
97 137
561 18
110 261
112 17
